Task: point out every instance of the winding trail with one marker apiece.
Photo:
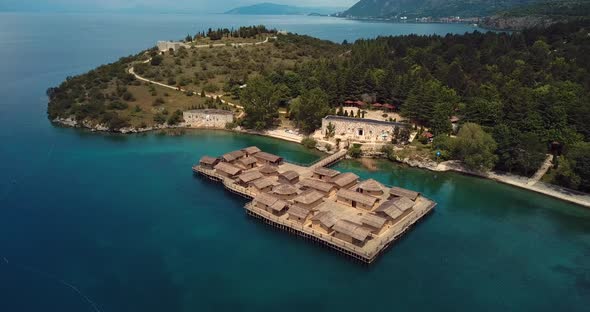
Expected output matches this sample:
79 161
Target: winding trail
131 70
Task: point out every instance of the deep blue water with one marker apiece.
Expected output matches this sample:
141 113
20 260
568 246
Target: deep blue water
122 218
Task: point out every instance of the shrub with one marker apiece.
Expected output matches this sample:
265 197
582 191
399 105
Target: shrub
355 151
159 118
118 105
175 118
156 60
158 101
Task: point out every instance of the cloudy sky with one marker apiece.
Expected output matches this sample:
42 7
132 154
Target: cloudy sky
161 5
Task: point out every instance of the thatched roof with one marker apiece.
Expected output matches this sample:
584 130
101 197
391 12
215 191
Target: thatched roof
403 203
345 179
326 218
308 197
265 199
401 192
249 176
357 197
317 185
208 160
267 157
247 161
262 183
298 211
373 221
370 185
330 173
231 156
268 170
289 175
389 209
251 150
227 168
279 205
284 189
353 230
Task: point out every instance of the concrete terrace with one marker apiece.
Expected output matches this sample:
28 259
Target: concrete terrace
357 218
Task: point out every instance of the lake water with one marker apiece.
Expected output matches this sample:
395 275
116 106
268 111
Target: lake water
122 218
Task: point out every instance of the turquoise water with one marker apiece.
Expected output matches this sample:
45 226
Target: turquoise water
122 218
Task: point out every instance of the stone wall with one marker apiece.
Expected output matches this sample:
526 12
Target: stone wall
358 129
174 45
207 118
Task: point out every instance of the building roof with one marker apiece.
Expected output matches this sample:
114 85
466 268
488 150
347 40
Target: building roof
227 168
298 211
370 185
317 185
344 179
326 218
289 175
249 176
373 221
367 121
231 156
210 111
330 173
353 230
308 197
357 197
208 160
247 161
268 157
250 150
400 203
279 205
265 199
262 183
284 189
268 169
401 192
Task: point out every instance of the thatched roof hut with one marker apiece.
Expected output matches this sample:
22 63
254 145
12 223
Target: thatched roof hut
308 197
248 162
263 183
284 190
345 179
251 150
353 196
265 199
248 177
227 169
401 192
321 186
373 221
370 186
298 212
268 170
232 156
326 218
289 176
355 231
323 172
268 158
208 161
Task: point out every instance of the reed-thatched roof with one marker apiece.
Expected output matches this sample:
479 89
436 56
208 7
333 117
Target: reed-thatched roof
279 205
265 199
326 218
298 211
357 197
373 221
344 179
353 230
389 209
263 183
251 150
208 160
308 197
289 175
371 185
249 176
284 189
322 171
268 170
403 203
247 161
227 168
231 156
268 157
317 185
401 192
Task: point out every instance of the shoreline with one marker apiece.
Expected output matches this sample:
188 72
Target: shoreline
553 191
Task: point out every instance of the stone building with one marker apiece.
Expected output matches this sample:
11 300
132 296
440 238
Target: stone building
207 118
164 46
359 129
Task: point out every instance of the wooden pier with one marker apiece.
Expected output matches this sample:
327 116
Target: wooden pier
366 252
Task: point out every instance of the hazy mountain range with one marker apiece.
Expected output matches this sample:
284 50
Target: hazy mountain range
281 9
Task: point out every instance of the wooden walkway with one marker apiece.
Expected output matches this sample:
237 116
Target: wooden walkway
330 160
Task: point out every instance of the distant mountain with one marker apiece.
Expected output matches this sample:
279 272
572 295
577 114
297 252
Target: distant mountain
432 8
280 9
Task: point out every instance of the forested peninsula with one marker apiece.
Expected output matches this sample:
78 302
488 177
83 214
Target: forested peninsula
517 96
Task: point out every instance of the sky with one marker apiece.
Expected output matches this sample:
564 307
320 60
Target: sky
205 6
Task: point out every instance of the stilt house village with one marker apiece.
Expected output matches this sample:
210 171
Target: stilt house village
358 218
